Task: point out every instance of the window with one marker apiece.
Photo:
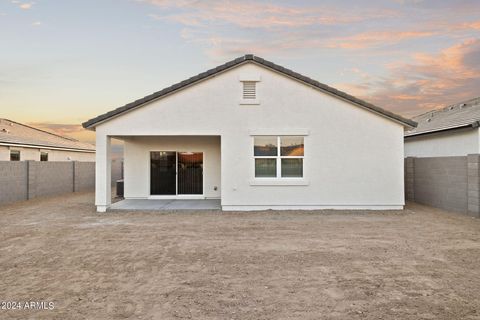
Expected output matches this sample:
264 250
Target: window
43 156
14 155
278 156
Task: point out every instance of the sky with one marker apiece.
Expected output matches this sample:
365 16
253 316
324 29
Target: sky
63 62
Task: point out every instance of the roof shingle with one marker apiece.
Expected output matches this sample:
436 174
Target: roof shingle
15 133
458 115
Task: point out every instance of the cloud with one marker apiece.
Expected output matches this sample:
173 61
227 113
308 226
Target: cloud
257 14
225 29
37 23
26 6
256 26
430 81
468 25
375 39
391 32
408 2
23 5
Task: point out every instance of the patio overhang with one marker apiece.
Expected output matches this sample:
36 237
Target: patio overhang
161 168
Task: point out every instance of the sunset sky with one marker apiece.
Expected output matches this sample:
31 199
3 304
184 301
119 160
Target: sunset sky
66 61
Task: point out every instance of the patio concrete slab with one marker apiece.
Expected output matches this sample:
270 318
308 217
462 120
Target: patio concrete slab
150 204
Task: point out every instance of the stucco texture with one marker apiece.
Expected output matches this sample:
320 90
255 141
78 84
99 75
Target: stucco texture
459 142
353 157
53 154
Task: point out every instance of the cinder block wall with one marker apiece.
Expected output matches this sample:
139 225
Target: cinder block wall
84 176
23 180
13 181
450 183
49 178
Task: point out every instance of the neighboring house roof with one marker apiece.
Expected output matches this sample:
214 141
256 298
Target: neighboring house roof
460 115
17 134
245 59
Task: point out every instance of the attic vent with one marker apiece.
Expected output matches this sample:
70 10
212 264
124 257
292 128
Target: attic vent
249 90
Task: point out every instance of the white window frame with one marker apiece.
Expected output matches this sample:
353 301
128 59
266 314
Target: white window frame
278 179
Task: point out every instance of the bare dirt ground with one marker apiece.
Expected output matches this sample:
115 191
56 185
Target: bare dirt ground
420 263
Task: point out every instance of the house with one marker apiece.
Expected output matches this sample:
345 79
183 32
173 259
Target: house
442 158
451 131
19 142
256 136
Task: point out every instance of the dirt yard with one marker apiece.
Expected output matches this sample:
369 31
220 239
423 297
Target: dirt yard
419 263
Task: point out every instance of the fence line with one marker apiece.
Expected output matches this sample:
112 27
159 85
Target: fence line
450 183
24 180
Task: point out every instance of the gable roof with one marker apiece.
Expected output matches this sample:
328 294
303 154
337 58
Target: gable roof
460 115
262 62
17 134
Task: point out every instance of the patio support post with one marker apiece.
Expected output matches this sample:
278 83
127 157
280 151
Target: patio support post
103 184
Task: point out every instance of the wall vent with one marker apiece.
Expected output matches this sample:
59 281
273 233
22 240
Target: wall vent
249 90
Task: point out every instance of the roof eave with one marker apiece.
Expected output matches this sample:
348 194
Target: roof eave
45 146
473 125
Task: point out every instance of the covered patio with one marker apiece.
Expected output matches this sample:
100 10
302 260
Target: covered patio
161 172
166 204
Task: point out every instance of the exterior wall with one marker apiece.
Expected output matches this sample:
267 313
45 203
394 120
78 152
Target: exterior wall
450 183
353 157
444 144
473 185
53 155
28 154
137 162
59 155
4 153
23 180
50 178
13 181
441 182
84 176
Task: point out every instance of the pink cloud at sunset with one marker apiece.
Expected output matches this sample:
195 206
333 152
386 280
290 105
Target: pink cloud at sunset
428 82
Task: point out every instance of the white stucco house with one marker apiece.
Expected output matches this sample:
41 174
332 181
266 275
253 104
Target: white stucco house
256 136
450 131
20 142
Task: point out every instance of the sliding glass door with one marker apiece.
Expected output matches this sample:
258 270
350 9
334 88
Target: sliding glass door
176 173
190 173
163 173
